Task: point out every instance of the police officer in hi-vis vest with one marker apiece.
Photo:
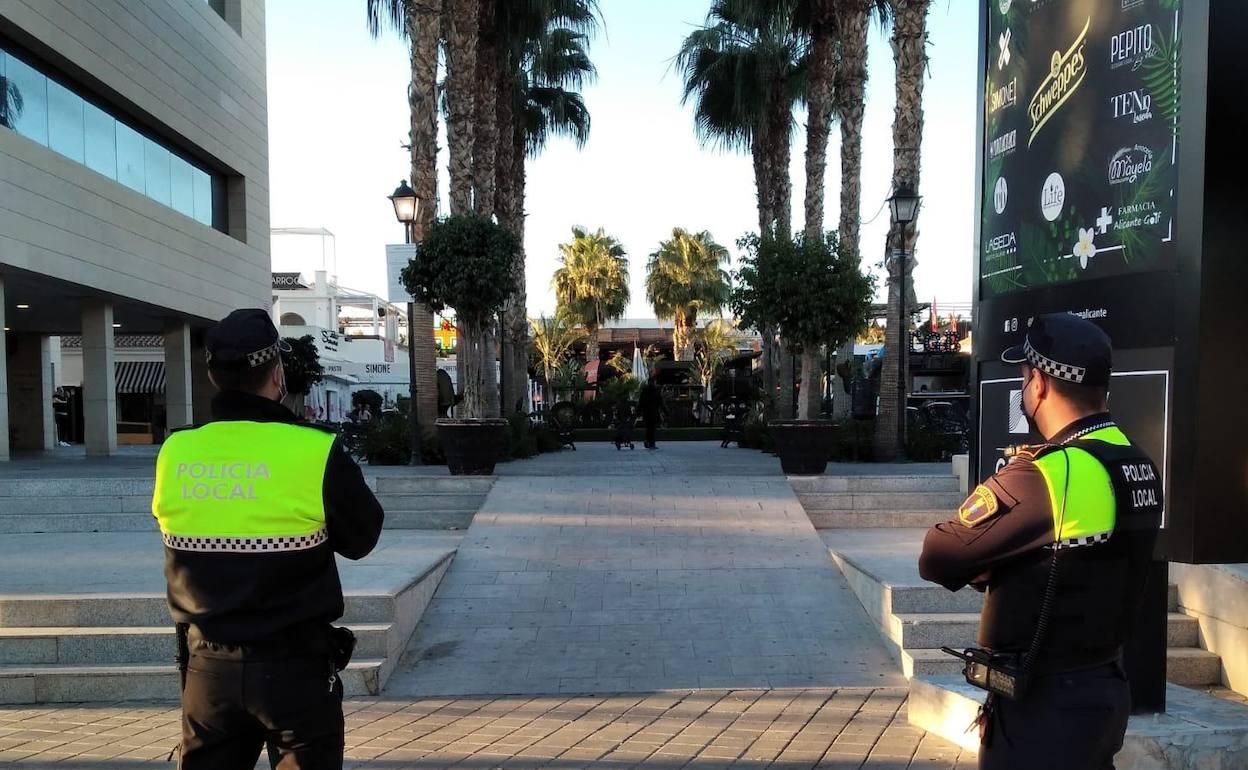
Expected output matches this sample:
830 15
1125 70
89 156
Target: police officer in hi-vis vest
252 508
1060 541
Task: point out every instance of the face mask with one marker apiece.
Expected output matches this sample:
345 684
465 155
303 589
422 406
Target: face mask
281 389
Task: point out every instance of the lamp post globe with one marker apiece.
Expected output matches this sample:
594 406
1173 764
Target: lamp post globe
406 206
903 206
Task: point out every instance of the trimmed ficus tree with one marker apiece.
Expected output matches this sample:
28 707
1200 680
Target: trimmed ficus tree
466 262
809 290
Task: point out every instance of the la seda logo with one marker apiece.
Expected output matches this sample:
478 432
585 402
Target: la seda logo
1066 72
1143 214
1126 165
1005 96
1000 195
1136 104
1131 47
1053 197
1003 245
1003 145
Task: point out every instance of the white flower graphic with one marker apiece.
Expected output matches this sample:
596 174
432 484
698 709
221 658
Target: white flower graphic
1085 249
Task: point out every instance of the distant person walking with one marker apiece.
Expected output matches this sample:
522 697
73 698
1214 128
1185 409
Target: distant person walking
650 404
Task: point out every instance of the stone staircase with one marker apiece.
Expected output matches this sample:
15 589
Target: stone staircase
124 504
916 619
121 647
877 501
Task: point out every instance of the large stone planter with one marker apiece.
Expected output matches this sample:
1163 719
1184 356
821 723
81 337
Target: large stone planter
802 445
471 446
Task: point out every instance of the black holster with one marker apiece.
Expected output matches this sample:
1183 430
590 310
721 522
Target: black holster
181 631
341 646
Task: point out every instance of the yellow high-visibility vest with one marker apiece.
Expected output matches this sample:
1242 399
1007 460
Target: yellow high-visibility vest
242 487
1090 507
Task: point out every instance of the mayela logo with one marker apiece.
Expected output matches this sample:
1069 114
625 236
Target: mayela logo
1131 47
1003 145
1000 195
1005 96
1128 163
1136 104
1066 73
1053 197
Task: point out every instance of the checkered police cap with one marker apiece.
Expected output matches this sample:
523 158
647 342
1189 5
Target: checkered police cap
245 339
1066 347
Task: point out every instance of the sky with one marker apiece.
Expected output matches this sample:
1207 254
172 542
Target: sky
338 119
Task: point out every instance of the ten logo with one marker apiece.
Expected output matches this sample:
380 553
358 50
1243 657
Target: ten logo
1000 195
1137 104
1053 197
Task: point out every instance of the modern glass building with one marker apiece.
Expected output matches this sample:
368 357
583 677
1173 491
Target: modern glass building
133 197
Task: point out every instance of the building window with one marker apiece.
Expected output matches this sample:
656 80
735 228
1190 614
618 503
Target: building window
293 319
48 111
218 6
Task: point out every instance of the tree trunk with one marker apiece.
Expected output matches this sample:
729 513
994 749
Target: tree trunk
851 84
810 393
909 43
762 185
423 30
487 129
781 139
784 383
819 116
767 363
480 397
512 159
592 356
461 88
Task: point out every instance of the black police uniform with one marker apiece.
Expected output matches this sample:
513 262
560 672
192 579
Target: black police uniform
1004 541
263 657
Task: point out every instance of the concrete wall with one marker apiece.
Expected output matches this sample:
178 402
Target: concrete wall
1217 596
188 76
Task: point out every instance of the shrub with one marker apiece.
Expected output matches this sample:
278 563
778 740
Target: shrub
387 440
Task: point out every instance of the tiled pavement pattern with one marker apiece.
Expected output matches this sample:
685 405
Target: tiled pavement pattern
843 729
639 584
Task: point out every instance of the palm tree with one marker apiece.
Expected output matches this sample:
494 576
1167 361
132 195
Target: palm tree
684 277
419 23
591 284
715 341
909 43
462 25
553 340
744 70
11 103
543 61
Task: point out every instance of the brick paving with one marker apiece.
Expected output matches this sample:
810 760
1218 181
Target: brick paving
639 584
845 729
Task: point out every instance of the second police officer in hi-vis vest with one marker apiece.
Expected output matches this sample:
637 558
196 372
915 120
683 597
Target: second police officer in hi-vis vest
1060 541
252 507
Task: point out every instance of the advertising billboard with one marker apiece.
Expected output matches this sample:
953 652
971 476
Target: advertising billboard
1080 143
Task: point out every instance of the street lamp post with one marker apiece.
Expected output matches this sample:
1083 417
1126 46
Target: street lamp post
904 208
407 210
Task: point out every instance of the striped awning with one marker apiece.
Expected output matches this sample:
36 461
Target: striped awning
140 377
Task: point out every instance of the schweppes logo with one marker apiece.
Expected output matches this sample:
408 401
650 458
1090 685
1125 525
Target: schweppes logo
1066 73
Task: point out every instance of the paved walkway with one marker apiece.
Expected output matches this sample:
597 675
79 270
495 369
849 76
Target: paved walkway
704 730
640 584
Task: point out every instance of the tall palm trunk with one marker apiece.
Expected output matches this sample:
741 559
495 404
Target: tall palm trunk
516 320
780 135
592 357
423 23
909 43
851 91
818 129
486 129
461 88
760 152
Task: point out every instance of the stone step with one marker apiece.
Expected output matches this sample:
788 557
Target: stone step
1188 666
865 519
115 610
877 484
417 485
66 503
130 682
958 629
431 501
86 646
447 519
863 502
12 524
79 487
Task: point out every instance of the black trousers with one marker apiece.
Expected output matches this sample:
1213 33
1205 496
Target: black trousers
651 422
233 705
1069 721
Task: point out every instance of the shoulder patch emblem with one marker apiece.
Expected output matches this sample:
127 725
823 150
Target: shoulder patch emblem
979 507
